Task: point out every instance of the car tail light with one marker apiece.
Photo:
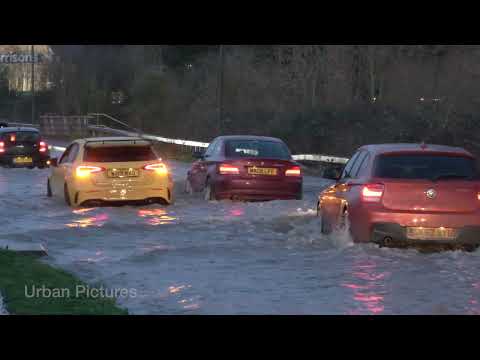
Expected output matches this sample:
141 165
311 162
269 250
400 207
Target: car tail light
43 146
226 169
159 168
13 138
294 171
478 196
2 147
372 192
85 171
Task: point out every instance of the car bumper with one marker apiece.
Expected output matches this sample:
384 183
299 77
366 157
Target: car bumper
83 190
38 160
373 223
256 189
390 234
121 195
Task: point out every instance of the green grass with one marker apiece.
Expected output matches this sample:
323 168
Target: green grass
19 271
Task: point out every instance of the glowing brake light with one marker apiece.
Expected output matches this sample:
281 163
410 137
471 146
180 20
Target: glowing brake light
13 138
84 171
226 169
372 192
159 168
294 171
2 147
43 146
478 196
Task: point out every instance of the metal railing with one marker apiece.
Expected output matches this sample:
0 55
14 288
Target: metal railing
197 144
17 124
96 125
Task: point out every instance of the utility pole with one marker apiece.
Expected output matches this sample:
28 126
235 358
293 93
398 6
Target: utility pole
220 89
33 84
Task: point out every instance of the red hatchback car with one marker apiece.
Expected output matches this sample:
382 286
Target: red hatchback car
246 168
406 194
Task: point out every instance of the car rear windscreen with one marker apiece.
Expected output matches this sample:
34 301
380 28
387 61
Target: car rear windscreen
119 154
431 167
21 137
257 149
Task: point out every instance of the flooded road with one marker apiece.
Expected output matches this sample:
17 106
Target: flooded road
232 258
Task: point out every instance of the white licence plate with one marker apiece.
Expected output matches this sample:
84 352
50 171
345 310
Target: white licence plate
414 233
122 173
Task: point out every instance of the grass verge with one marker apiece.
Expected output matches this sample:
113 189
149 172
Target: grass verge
19 272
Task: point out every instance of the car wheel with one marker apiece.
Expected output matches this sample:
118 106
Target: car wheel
209 192
325 227
67 195
49 189
323 223
342 222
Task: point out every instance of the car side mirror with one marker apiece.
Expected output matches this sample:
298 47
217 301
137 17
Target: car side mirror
54 162
332 173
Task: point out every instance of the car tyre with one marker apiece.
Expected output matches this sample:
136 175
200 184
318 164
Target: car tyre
188 187
67 195
49 189
209 192
324 227
342 222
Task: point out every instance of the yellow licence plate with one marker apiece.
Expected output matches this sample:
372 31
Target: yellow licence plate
23 160
262 171
122 173
431 233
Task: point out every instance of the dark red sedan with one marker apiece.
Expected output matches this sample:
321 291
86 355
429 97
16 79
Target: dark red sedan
251 168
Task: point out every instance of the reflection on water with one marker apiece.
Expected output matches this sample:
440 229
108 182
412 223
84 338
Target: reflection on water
93 221
236 212
367 285
157 217
82 211
99 257
156 248
177 289
189 303
466 275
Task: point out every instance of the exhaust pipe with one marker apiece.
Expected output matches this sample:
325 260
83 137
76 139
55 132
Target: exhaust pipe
387 241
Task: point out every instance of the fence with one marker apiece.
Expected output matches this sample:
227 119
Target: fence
58 125
81 126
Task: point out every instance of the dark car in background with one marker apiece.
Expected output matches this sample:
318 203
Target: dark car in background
251 168
23 147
